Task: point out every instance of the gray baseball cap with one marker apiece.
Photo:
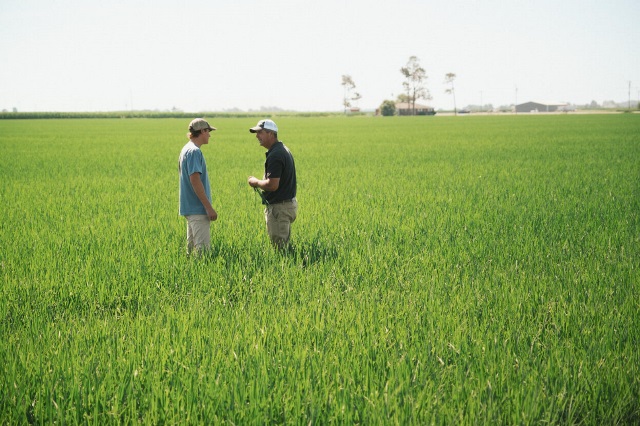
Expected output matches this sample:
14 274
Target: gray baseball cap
200 124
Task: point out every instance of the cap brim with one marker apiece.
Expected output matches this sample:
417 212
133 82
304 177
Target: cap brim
255 129
191 129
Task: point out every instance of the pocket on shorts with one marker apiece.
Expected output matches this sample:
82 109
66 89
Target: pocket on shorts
291 211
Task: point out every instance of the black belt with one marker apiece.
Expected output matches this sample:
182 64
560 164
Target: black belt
282 201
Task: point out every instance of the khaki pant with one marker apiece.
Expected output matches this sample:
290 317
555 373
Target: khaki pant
279 218
198 233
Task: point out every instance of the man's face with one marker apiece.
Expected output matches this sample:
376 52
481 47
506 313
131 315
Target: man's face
204 136
265 138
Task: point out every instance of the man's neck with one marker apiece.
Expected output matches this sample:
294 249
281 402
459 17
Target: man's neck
271 144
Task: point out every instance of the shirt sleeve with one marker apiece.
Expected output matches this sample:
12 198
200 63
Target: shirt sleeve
275 166
194 163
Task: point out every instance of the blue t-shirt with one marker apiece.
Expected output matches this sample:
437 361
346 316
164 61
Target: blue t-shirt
192 161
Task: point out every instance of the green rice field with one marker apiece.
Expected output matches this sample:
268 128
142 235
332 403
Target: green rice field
445 270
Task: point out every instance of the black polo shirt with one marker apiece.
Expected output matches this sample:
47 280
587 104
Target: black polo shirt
279 164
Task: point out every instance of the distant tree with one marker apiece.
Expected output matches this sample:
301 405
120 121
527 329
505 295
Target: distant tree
349 85
480 108
403 98
448 79
414 87
356 97
388 108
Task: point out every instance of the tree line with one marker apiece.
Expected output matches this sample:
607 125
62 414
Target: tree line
414 89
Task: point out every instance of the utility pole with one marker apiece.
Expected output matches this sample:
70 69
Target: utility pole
516 106
629 95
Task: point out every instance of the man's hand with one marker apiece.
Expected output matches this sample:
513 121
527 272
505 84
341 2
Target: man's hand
269 184
213 215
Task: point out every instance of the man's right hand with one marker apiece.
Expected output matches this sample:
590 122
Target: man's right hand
213 215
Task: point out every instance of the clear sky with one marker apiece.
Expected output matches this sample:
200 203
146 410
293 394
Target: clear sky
214 55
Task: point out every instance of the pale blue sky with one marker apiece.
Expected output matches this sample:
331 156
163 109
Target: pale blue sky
211 55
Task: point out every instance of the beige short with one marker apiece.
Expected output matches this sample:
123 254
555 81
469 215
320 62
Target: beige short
279 218
198 233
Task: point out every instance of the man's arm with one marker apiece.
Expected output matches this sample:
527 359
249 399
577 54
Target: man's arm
198 187
269 184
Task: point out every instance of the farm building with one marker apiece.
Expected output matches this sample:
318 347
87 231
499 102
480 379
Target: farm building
404 108
540 107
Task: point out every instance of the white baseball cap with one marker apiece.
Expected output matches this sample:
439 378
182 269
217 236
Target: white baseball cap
264 125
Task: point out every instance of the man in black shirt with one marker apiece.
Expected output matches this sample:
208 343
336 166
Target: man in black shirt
278 184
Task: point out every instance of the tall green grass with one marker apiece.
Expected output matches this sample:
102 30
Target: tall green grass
447 270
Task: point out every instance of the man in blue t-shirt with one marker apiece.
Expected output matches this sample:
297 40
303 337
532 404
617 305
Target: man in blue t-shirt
195 192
